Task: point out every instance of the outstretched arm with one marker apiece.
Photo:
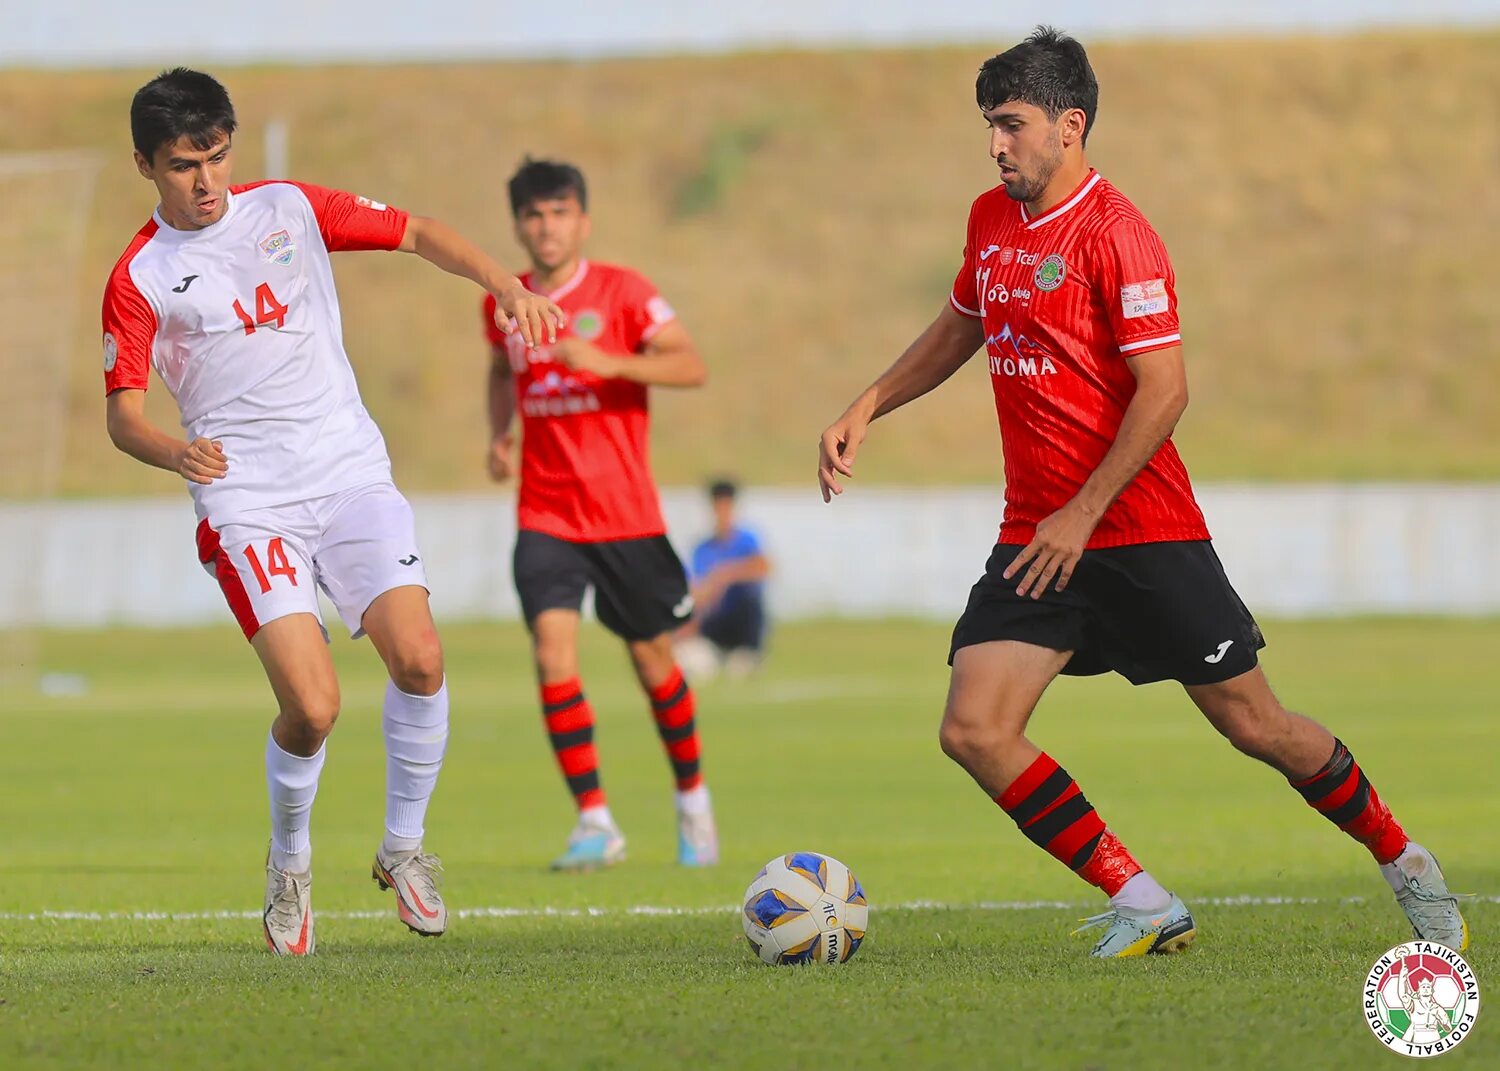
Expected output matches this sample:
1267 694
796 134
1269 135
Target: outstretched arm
938 352
201 461
437 243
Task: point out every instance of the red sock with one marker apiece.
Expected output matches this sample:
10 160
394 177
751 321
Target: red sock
672 706
1342 794
570 725
1050 809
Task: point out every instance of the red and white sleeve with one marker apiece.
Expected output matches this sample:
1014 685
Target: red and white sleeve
348 222
965 294
645 312
129 324
1139 289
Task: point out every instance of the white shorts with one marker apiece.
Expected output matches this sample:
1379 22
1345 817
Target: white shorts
355 545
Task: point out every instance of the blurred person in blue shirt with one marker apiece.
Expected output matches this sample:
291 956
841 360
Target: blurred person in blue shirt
729 569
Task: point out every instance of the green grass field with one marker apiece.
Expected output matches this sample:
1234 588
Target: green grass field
146 794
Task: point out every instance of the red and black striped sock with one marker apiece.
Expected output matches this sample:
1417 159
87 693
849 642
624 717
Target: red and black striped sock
1343 795
672 706
1049 808
570 726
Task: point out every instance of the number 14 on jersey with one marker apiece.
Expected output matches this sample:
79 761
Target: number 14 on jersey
267 310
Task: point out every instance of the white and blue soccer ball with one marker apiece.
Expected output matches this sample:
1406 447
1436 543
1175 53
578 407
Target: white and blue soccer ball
805 908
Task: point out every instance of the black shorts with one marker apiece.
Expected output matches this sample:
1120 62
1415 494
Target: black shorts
640 587
1150 612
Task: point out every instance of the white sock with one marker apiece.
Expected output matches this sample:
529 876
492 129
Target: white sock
292 782
694 800
416 735
1141 893
598 817
1414 857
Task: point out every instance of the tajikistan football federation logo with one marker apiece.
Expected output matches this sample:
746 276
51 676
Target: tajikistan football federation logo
1050 273
1421 999
278 248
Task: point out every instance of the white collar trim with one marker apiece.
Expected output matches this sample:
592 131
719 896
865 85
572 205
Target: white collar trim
571 285
1033 224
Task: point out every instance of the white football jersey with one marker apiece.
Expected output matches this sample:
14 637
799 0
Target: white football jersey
241 322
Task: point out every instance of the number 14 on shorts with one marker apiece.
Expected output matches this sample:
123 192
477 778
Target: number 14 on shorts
276 564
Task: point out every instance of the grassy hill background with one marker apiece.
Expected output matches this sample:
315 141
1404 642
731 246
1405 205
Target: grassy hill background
1332 206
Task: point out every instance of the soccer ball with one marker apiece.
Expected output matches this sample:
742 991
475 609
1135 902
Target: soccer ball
805 908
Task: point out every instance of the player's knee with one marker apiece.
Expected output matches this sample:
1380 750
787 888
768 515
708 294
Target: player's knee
417 668
654 660
965 738
308 718
953 740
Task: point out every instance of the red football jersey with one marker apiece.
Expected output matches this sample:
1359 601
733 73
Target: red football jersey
585 460
1064 299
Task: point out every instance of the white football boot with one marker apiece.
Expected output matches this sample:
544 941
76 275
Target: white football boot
414 877
288 917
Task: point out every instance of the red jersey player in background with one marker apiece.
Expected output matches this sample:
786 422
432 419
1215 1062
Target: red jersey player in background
228 293
1103 561
588 512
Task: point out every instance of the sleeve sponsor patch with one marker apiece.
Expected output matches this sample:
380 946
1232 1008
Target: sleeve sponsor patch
365 202
1144 299
659 311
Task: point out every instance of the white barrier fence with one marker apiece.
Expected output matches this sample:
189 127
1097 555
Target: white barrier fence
1300 550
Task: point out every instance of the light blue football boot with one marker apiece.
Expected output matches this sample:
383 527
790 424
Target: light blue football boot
1135 933
591 847
1423 894
697 839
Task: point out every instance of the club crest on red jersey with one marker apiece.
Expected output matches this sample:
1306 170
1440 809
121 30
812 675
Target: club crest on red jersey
278 248
1050 273
588 325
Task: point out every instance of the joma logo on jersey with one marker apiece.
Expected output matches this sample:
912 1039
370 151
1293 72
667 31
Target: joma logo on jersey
278 248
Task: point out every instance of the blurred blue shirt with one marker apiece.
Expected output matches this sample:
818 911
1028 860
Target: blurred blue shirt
740 544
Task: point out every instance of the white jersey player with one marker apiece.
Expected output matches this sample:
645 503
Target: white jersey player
228 294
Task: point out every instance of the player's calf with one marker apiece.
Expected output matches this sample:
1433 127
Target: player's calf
1247 713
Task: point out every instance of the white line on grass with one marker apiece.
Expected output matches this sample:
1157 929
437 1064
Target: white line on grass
662 911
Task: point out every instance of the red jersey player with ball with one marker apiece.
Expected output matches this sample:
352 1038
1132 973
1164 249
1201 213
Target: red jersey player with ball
588 512
228 293
1103 560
